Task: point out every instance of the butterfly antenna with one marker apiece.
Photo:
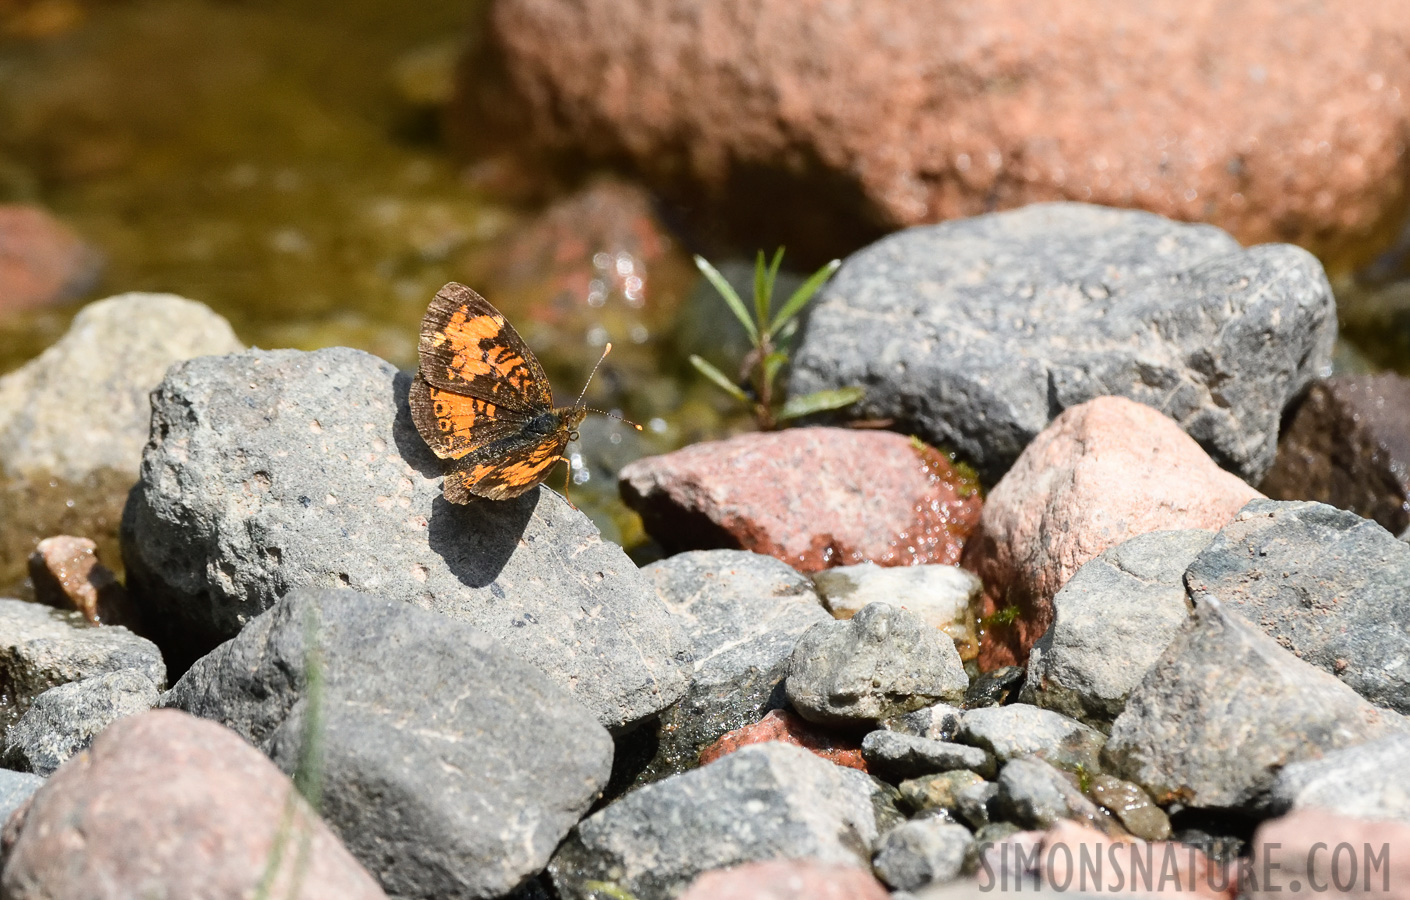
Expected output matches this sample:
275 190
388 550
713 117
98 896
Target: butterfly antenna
603 412
605 350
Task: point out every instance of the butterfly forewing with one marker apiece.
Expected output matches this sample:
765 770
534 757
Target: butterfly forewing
469 348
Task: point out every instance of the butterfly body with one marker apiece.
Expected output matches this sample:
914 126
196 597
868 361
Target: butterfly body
482 400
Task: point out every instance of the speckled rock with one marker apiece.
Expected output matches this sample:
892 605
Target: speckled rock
165 805
64 720
1225 708
743 612
1100 474
1348 444
939 722
906 756
764 802
768 117
1368 781
1324 583
812 497
1111 622
1018 730
41 648
881 662
1033 794
15 789
938 791
925 851
237 505
58 479
451 768
944 596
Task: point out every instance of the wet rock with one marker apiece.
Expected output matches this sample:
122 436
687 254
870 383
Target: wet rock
42 261
925 851
1225 708
1018 730
1102 473
1365 781
812 497
938 791
1111 622
64 720
940 722
1027 313
1314 853
451 768
1131 805
15 789
995 687
944 596
764 802
743 613
882 662
906 756
1324 583
787 879
165 804
237 506
1348 444
41 648
67 574
777 128
789 728
1033 794
58 479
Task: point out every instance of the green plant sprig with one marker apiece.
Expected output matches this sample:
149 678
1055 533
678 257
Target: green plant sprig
771 334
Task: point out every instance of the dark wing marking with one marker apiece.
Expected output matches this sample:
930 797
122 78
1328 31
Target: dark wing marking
468 347
506 469
453 425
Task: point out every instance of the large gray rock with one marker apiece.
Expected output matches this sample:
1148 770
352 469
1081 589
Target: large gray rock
767 801
926 851
1225 708
450 767
64 720
975 333
744 612
1111 622
1366 781
882 662
41 648
15 789
1018 730
1324 583
62 475
273 470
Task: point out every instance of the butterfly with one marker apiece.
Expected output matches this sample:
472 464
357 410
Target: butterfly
481 399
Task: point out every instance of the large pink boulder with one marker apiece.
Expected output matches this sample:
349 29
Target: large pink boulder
787 879
812 122
42 260
812 497
1104 471
167 806
1317 853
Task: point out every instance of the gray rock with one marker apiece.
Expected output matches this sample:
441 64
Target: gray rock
975 333
1324 583
914 854
1132 806
1033 794
1364 781
15 789
450 767
273 470
906 756
1225 708
64 720
41 648
881 662
939 791
766 801
939 722
1111 622
977 803
946 597
743 612
1018 730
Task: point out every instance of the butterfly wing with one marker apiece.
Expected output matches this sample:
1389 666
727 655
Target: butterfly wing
467 347
507 468
454 425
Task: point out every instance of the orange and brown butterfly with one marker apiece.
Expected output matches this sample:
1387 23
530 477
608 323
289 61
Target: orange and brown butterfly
482 399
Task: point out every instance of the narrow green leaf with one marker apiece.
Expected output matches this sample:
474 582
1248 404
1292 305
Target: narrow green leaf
804 293
769 288
732 300
761 291
720 378
786 333
772 363
819 401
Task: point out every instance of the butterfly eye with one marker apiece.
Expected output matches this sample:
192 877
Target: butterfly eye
572 435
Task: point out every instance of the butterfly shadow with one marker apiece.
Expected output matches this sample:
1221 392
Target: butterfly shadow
475 539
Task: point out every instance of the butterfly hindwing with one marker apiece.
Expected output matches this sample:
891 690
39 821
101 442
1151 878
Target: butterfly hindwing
507 468
454 424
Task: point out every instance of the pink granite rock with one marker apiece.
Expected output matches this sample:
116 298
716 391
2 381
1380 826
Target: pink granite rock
67 573
1104 471
789 728
41 259
812 497
1317 853
818 125
167 806
787 879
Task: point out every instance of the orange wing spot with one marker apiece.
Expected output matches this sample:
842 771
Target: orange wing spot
459 415
464 333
